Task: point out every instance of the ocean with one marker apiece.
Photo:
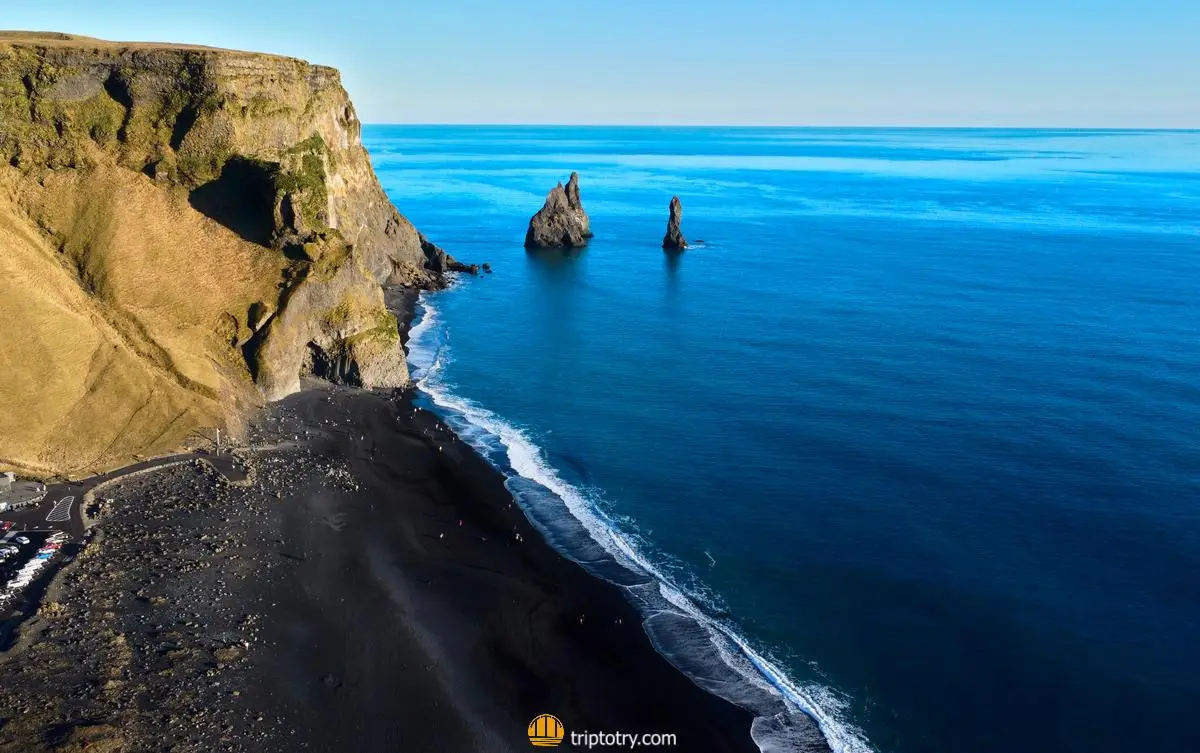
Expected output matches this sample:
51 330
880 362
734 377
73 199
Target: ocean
908 442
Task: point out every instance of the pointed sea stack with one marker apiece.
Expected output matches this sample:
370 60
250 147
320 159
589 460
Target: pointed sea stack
561 223
674 240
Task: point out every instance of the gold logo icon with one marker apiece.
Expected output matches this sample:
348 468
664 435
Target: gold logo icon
545 731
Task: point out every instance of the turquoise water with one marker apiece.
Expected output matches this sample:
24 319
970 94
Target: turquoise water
915 431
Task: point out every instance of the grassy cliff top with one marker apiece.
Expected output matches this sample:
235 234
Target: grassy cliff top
17 38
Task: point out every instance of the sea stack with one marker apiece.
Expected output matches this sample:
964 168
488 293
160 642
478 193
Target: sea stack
561 222
674 240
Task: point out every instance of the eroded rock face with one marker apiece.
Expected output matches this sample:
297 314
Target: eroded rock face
562 221
183 228
674 240
439 262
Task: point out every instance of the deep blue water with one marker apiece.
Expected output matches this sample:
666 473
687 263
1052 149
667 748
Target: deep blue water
920 420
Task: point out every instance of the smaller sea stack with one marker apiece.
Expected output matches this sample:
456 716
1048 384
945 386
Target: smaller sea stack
674 240
562 222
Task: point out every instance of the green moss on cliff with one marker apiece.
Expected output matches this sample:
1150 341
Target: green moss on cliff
261 106
340 316
330 257
99 118
385 333
202 156
26 127
50 110
369 320
302 174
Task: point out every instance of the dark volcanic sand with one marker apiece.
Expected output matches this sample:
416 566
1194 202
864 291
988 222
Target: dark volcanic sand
337 605
402 302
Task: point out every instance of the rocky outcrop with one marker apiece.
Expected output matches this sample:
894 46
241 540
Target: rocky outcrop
185 231
674 240
562 221
439 262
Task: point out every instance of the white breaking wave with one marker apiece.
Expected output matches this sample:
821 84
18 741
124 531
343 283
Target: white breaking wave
428 355
420 330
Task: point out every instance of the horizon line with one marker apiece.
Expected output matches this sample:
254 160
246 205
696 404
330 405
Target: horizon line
485 124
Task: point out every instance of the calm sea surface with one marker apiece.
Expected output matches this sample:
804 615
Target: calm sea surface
917 426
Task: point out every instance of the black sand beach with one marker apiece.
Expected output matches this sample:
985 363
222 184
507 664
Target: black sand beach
374 589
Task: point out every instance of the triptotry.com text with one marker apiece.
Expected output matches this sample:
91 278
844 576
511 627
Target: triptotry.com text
626 740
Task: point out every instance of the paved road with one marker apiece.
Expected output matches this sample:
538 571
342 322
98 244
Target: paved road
60 509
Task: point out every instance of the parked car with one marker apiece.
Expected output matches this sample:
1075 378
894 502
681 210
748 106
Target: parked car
5 526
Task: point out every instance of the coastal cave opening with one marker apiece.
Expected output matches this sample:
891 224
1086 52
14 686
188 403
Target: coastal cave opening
331 367
242 199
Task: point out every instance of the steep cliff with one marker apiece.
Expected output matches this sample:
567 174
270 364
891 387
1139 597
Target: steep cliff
183 232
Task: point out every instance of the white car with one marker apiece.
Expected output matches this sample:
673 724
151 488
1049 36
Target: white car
22 539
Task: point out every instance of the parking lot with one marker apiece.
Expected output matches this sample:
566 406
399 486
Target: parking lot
54 507
25 556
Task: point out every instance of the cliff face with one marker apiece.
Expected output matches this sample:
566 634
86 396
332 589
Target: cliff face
178 226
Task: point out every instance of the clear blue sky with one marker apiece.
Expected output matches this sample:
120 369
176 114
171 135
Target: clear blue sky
839 62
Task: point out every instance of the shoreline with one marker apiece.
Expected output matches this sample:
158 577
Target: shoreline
506 615
710 652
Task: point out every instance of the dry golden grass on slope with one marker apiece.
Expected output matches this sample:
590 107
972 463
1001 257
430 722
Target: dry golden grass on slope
109 347
165 272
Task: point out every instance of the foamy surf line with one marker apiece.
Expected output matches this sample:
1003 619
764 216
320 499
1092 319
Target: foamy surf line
711 652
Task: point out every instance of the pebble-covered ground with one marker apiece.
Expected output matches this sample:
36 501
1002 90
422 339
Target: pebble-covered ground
140 642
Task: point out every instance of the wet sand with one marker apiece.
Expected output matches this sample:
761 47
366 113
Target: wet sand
375 589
